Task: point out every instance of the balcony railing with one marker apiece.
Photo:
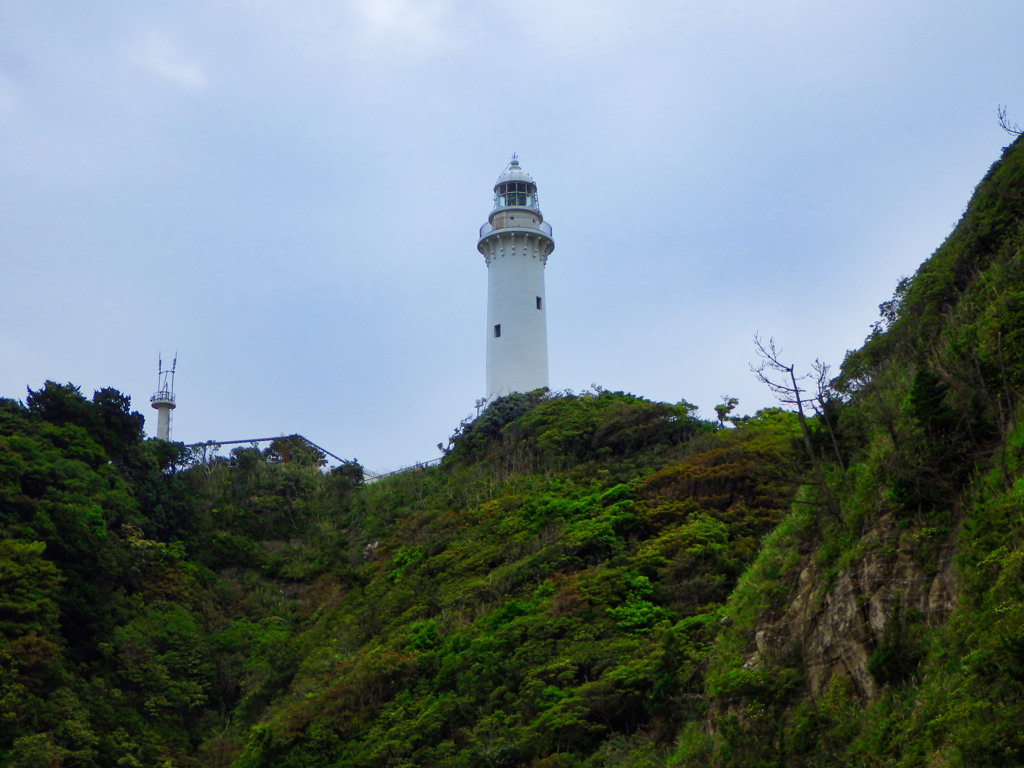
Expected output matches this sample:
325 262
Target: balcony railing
162 397
544 227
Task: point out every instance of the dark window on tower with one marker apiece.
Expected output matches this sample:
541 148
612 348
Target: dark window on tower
539 303
497 331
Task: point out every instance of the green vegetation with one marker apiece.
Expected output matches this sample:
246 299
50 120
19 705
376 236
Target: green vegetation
586 580
548 594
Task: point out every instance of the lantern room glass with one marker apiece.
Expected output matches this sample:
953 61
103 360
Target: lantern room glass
515 194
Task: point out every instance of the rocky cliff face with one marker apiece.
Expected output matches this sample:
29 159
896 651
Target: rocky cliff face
838 622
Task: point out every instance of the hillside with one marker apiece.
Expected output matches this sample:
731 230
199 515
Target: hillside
587 579
897 620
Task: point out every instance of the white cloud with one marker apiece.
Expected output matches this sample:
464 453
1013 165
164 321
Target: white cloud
157 54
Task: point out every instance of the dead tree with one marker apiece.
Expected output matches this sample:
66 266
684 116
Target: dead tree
782 380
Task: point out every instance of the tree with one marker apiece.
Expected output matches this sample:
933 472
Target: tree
29 584
108 419
60 404
725 408
117 427
296 449
785 385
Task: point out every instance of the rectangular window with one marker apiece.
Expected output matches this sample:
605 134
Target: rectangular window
497 331
538 303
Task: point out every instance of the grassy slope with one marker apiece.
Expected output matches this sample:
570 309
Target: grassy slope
539 598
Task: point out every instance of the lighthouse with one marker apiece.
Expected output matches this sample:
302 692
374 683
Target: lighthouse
516 242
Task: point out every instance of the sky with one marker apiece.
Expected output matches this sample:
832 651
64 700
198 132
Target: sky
288 195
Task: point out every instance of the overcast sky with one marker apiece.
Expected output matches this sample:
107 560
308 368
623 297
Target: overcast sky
288 194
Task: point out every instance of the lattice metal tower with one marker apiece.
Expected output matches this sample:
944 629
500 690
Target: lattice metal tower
516 243
163 398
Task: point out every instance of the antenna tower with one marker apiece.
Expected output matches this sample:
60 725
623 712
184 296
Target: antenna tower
163 398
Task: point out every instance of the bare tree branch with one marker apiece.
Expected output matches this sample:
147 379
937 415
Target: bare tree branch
786 392
1004 122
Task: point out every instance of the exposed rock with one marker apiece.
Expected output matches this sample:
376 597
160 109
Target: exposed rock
837 626
370 548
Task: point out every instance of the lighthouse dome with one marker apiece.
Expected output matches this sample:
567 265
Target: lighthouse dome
514 173
515 188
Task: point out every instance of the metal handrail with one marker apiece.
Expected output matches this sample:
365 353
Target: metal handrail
210 443
368 474
544 227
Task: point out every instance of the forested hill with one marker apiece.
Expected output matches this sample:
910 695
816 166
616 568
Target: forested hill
587 579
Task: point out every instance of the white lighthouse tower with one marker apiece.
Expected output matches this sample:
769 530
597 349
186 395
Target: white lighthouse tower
516 243
163 399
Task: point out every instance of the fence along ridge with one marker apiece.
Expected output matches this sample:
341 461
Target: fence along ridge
367 473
